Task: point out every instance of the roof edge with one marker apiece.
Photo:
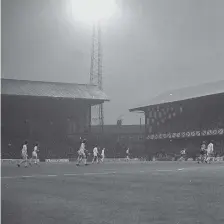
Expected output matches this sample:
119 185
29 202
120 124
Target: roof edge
183 94
25 88
141 108
38 81
137 109
51 97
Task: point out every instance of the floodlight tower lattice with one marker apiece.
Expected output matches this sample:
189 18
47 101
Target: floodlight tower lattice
96 75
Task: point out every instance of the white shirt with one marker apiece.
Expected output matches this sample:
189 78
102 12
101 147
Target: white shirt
95 151
35 149
82 147
102 153
210 148
24 149
183 152
127 151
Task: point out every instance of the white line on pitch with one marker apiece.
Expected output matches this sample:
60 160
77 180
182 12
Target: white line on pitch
53 175
164 170
105 173
70 174
26 176
86 174
14 177
31 176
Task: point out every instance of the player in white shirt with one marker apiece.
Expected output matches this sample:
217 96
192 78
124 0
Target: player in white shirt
24 155
128 154
34 154
81 153
102 154
210 151
183 154
95 155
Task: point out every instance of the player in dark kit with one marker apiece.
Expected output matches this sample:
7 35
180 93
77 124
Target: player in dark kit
202 153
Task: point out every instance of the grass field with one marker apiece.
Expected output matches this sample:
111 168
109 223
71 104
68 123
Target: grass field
130 193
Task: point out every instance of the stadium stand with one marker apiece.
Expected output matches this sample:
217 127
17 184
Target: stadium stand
53 114
184 118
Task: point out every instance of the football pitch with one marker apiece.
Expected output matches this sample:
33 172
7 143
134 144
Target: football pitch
116 193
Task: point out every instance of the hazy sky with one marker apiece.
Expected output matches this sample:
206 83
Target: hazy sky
153 46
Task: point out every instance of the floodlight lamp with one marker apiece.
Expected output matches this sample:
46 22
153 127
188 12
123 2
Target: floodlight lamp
92 11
